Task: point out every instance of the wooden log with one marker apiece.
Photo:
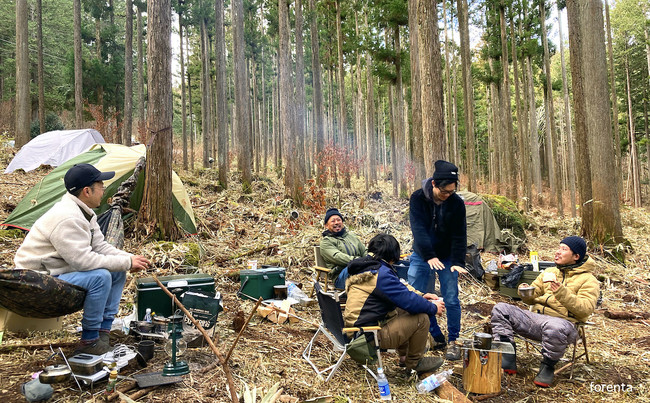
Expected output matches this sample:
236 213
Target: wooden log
623 315
449 392
8 347
482 377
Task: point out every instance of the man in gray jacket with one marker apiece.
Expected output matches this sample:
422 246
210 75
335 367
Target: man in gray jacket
66 242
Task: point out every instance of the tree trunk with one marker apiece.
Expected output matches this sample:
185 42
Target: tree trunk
205 96
569 132
287 115
416 97
521 124
343 124
128 76
468 94
371 135
612 84
399 117
222 114
509 151
433 121
634 158
78 85
534 137
555 164
448 102
242 99
140 67
39 46
300 107
156 208
597 181
23 98
189 96
318 91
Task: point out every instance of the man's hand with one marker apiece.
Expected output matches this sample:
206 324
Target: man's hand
440 305
459 269
554 285
139 263
436 264
430 296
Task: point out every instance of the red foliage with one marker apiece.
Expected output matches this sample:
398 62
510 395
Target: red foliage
336 160
106 125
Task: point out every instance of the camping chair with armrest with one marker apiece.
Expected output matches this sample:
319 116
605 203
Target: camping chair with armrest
322 272
332 327
582 338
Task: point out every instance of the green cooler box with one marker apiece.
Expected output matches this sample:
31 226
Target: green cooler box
259 282
150 295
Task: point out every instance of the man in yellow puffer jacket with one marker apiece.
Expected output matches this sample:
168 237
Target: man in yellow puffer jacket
562 295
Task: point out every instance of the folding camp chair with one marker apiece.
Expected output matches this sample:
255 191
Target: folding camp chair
332 328
322 273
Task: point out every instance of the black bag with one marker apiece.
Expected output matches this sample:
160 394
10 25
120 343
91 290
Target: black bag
38 295
473 262
204 307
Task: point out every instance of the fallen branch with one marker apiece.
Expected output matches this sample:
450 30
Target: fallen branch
259 301
248 253
623 315
485 397
8 347
217 352
142 392
122 388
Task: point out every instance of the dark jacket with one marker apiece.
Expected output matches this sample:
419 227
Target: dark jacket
438 230
374 292
337 250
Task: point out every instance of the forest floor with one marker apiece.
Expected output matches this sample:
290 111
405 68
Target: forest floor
233 228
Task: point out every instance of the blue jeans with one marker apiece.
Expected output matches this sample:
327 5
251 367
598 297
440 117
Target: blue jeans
103 294
340 280
420 274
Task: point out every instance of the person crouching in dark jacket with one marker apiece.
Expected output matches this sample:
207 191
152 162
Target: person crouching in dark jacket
376 296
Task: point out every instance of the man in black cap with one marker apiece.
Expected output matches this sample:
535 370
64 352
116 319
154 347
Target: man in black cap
66 242
562 295
439 227
338 247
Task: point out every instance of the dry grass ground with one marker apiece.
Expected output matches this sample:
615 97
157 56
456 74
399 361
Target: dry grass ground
232 225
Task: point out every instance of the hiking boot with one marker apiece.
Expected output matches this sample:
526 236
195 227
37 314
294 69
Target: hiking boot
428 364
453 352
105 337
96 347
437 343
546 373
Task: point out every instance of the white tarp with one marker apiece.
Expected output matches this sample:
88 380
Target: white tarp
54 148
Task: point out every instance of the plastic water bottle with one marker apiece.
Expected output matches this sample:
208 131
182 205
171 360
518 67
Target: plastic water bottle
384 387
147 315
433 381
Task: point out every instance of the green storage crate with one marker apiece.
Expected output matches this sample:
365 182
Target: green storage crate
150 295
528 276
259 282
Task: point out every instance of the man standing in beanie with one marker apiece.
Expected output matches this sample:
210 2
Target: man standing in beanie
439 227
338 247
563 295
66 242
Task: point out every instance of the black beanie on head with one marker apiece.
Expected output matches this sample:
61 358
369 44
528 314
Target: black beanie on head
445 170
577 245
330 212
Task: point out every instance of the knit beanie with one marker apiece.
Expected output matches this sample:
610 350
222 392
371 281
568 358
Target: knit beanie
331 212
445 170
577 245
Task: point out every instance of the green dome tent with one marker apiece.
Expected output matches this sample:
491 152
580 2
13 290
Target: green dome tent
105 157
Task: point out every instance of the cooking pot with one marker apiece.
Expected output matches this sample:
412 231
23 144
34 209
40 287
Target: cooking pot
482 341
526 291
55 374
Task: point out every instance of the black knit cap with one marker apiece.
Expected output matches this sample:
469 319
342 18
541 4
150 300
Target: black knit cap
330 212
445 170
577 245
